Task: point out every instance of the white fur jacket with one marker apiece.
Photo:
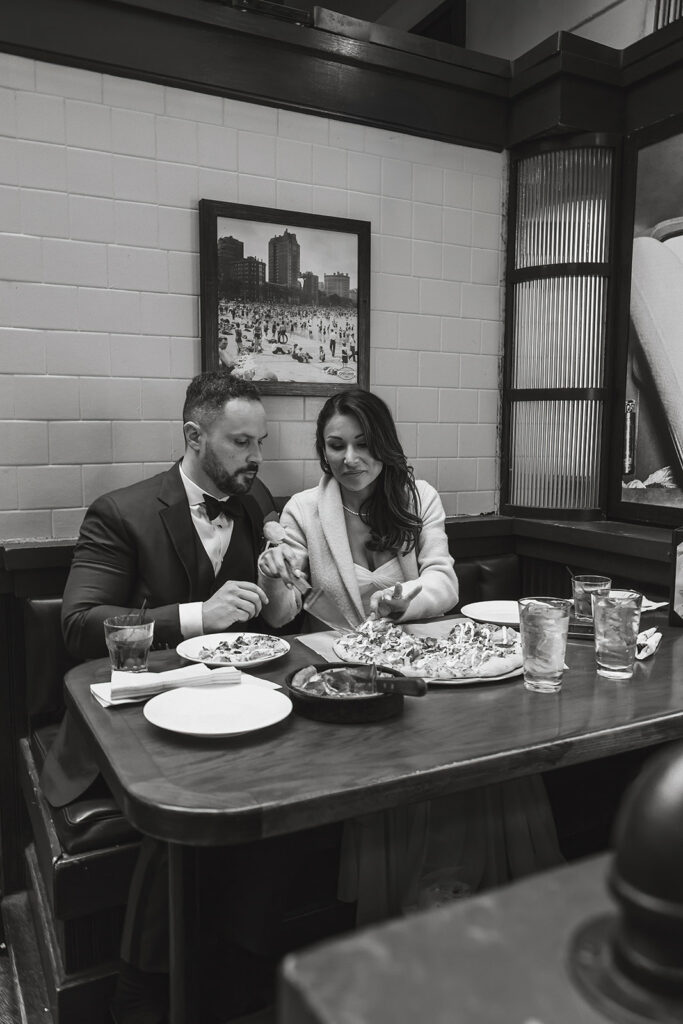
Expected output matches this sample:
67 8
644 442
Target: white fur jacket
314 521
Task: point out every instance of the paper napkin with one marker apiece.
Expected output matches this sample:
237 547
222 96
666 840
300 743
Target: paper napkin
649 606
647 643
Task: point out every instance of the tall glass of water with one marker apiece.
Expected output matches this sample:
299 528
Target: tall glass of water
544 623
617 620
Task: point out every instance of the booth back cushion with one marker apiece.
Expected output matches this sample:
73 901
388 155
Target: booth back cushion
47 660
488 578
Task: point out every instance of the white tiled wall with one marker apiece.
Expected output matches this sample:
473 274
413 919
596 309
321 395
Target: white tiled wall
99 281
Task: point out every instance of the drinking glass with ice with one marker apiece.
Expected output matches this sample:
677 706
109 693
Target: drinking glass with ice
128 642
617 620
543 623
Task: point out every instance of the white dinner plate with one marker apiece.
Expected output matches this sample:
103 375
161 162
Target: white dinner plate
190 649
500 613
217 710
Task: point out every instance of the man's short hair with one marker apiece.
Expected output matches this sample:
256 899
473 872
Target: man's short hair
208 392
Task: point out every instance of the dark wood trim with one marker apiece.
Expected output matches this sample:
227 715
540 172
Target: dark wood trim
354 70
556 394
20 556
639 555
209 48
494 68
609 443
568 46
537 273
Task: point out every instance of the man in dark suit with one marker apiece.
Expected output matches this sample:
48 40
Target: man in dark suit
185 541
168 541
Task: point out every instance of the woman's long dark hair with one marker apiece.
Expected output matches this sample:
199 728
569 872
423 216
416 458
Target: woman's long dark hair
392 510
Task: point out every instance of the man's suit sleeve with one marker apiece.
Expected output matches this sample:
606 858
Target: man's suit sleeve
103 582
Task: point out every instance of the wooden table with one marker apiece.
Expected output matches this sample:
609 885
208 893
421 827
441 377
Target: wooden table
300 773
492 959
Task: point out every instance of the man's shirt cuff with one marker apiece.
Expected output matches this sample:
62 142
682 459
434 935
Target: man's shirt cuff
191 622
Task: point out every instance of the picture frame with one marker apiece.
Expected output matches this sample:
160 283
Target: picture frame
285 298
646 482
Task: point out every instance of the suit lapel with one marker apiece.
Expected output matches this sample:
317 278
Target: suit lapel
177 520
334 530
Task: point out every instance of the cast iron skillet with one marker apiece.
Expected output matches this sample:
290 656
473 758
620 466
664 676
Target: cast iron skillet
354 710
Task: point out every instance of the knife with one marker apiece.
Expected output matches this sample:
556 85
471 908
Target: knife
374 683
399 684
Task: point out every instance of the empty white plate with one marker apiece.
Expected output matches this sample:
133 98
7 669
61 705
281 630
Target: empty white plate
501 613
217 710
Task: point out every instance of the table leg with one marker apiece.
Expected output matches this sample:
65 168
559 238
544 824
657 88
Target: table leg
183 934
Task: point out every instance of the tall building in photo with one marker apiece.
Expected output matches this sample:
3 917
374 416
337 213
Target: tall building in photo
284 260
337 284
249 276
310 289
229 251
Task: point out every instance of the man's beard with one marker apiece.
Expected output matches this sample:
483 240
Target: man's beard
227 483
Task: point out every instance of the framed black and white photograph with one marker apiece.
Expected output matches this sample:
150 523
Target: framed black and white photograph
285 297
651 484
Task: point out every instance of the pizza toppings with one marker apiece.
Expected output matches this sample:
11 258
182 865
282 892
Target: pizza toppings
333 682
243 647
470 650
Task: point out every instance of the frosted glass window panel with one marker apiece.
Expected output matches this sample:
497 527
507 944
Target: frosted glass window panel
666 12
555 449
563 201
559 332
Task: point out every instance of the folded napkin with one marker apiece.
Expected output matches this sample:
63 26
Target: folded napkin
128 687
133 684
649 606
647 643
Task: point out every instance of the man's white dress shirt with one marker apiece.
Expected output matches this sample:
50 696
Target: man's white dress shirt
215 537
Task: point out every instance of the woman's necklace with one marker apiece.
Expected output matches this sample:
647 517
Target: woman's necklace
350 510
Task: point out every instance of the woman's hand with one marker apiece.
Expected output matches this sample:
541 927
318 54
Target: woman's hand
282 562
391 603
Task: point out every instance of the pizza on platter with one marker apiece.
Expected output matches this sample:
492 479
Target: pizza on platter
471 650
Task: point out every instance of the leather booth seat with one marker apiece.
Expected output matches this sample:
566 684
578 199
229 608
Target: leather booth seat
80 858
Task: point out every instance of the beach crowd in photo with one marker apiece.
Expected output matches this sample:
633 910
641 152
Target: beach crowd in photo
265 341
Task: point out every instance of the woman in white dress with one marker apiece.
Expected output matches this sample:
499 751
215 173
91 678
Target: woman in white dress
373 538
367 526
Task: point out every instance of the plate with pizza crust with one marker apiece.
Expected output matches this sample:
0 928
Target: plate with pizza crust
451 680
461 653
515 673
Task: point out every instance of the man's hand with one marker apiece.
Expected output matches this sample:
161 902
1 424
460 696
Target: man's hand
282 562
236 601
391 604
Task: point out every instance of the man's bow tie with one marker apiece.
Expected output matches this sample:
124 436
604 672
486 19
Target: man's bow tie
229 506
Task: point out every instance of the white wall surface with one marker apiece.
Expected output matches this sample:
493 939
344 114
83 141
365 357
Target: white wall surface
508 28
99 283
